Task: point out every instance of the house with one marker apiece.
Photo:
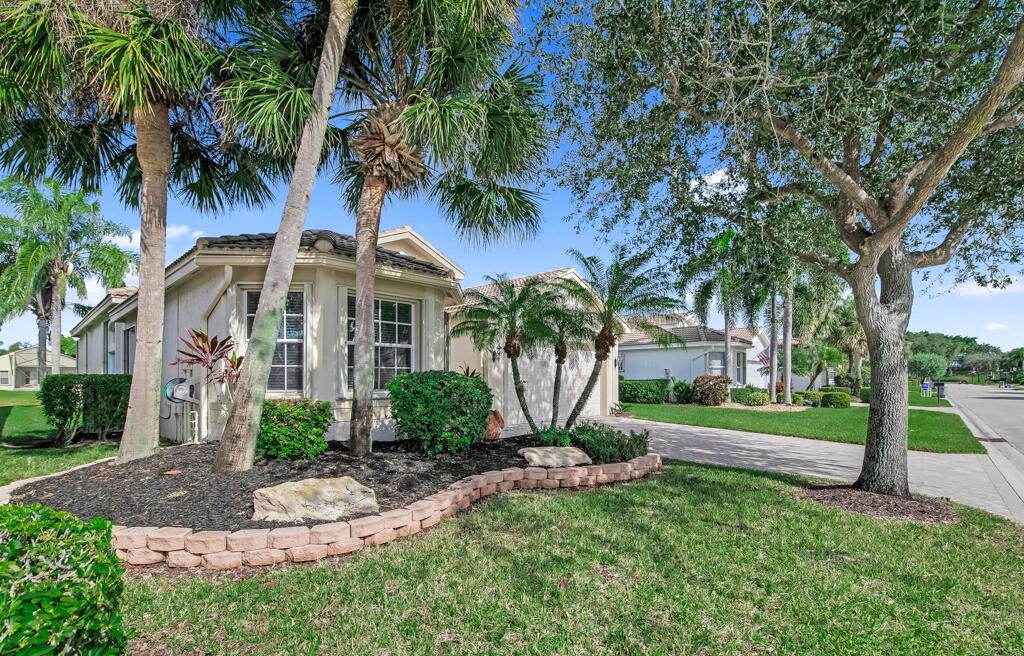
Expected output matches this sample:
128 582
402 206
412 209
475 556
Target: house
214 287
19 369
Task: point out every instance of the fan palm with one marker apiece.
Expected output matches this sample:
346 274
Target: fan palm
63 240
92 88
622 289
512 318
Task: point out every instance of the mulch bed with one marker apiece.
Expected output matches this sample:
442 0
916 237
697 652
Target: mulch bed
881 506
177 487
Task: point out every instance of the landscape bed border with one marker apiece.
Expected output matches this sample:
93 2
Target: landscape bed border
182 548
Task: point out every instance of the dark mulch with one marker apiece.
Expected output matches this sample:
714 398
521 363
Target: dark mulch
882 506
176 487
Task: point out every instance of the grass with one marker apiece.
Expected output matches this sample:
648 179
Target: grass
915 399
22 423
697 560
940 432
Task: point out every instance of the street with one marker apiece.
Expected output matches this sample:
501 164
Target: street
1001 410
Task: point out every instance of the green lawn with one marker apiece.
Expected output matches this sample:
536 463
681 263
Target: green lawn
915 398
941 432
21 423
697 560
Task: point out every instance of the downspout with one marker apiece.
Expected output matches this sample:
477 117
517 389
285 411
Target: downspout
225 283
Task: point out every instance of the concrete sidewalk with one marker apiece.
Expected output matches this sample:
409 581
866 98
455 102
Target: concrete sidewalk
973 480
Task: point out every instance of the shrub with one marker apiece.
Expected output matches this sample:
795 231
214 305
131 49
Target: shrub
834 388
927 366
439 411
757 398
604 444
683 391
61 396
740 394
644 391
105 403
711 390
555 437
798 398
813 398
62 584
293 430
835 400
865 394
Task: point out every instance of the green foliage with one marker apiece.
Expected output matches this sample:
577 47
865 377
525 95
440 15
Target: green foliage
835 400
927 366
62 584
61 396
865 394
980 363
69 346
683 391
757 398
812 398
555 437
439 411
604 444
951 347
293 430
92 403
740 394
798 398
834 388
711 390
654 390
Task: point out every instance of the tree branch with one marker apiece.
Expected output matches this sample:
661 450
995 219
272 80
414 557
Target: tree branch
943 252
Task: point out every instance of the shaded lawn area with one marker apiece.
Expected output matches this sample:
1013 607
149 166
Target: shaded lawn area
940 432
22 423
696 560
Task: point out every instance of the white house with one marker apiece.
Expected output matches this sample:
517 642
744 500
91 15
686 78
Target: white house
214 287
19 369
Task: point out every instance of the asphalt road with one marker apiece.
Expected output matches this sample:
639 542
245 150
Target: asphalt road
1001 410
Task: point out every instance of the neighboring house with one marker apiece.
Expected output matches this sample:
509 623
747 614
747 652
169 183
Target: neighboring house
214 287
538 371
18 369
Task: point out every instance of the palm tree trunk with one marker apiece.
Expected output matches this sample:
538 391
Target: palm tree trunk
588 389
238 442
557 391
727 361
153 148
42 330
787 345
773 351
517 381
56 305
371 199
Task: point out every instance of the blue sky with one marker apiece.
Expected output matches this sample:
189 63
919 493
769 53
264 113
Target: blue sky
995 317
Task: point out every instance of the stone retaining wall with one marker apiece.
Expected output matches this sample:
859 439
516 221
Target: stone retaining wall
183 547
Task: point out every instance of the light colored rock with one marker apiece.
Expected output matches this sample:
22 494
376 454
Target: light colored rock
169 538
205 542
307 553
288 536
327 533
346 546
396 518
222 560
183 559
554 456
143 557
132 538
325 499
421 509
249 539
380 537
264 557
365 526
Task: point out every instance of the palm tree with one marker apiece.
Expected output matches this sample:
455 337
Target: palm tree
250 100
569 329
846 334
512 318
120 87
623 289
63 240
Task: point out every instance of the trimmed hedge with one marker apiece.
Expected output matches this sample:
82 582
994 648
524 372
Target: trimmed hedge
740 394
812 398
604 444
683 391
711 390
757 398
62 584
440 411
835 400
293 430
654 390
834 388
798 398
90 403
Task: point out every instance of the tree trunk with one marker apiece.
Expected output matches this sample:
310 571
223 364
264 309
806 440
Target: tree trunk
588 389
787 345
238 443
153 148
556 392
885 320
56 306
773 351
858 371
814 376
42 332
727 360
371 199
517 381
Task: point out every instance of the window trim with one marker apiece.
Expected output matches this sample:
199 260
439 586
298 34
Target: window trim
414 352
5 377
129 351
303 289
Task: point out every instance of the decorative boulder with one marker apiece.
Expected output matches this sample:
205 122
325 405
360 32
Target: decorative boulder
495 422
325 499
555 456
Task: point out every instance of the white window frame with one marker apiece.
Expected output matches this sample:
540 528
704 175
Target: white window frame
718 370
346 292
129 349
5 378
301 391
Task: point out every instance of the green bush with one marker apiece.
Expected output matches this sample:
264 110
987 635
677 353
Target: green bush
61 582
835 400
644 391
90 403
798 398
740 394
604 444
865 394
834 388
757 398
61 396
555 437
440 411
812 398
711 390
293 430
683 391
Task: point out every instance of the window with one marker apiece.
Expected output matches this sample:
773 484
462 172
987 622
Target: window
129 350
392 332
622 363
5 378
741 368
286 367
716 363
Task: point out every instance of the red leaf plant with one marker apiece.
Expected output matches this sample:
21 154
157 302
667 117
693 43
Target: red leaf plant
207 352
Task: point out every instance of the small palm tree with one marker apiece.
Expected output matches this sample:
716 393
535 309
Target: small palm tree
512 318
62 241
847 335
623 289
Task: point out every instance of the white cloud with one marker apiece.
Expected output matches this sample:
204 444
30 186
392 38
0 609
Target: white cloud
995 325
95 292
130 243
974 290
174 231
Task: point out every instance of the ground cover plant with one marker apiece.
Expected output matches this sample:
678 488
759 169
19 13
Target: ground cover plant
940 432
695 560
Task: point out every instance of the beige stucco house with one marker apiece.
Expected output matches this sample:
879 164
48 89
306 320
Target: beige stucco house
19 369
214 287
